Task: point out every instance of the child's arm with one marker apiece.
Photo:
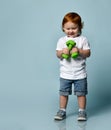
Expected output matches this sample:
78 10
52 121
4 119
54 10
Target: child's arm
60 52
84 53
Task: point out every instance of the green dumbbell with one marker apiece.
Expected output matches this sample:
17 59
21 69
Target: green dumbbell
65 56
74 55
70 44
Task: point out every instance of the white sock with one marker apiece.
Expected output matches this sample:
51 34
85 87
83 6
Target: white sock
63 109
81 109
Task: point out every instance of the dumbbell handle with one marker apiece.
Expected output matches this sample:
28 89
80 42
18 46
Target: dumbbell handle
66 56
70 44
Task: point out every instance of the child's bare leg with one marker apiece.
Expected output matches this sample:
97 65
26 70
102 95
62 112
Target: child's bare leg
82 102
63 102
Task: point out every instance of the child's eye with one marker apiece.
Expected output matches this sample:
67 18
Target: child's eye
74 28
68 28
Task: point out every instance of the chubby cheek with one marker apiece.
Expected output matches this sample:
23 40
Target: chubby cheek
76 31
67 32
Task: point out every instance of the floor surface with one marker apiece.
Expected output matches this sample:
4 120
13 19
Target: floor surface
33 109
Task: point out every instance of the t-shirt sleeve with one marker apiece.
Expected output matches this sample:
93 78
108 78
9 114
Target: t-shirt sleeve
59 45
86 44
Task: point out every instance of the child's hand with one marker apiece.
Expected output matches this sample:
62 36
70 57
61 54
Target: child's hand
75 49
65 51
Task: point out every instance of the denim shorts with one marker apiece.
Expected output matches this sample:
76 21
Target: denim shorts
80 87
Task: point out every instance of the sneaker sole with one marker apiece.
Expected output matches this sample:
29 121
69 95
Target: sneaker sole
81 119
59 118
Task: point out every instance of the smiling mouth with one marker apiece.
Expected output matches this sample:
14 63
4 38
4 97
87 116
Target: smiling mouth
71 34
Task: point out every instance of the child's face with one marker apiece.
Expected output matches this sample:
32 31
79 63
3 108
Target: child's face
71 29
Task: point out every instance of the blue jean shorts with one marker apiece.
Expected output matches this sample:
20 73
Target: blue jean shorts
80 87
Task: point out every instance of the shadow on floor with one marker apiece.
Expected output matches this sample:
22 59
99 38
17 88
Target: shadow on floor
99 99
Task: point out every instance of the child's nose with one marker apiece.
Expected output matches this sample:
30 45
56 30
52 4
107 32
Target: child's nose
71 30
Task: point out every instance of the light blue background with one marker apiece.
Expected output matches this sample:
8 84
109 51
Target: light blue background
29 68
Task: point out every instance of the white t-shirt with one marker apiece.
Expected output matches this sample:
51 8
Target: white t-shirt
73 68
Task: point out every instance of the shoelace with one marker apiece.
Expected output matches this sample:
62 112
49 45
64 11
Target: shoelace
61 112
